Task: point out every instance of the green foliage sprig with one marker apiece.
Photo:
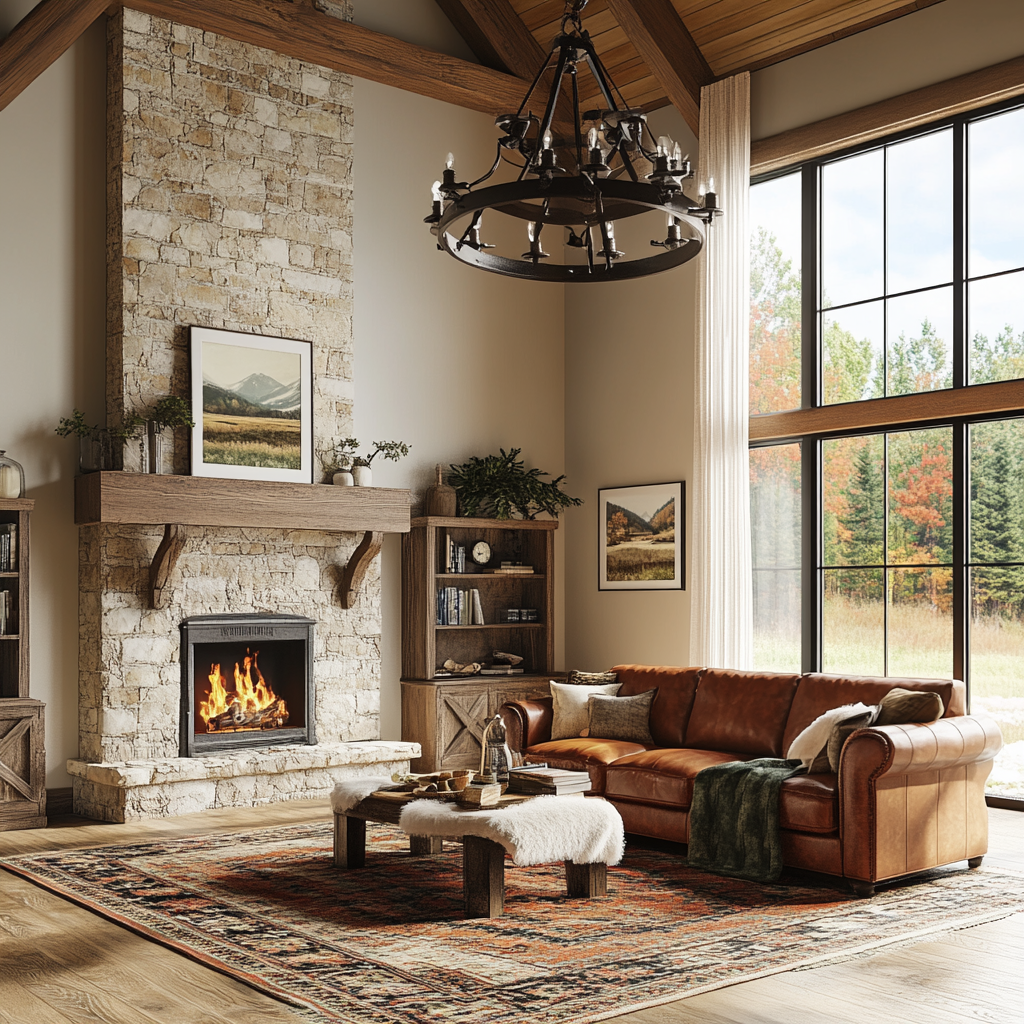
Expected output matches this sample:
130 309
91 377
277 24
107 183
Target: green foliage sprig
172 411
393 450
75 424
499 485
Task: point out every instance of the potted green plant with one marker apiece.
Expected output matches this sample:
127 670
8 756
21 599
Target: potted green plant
89 451
170 411
501 487
336 461
393 450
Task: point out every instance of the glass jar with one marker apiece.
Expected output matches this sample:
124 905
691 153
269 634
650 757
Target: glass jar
12 478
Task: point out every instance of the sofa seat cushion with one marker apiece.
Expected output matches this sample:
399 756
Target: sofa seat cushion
582 754
661 776
810 803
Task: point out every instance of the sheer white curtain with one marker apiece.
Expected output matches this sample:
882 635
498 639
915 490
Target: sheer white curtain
722 613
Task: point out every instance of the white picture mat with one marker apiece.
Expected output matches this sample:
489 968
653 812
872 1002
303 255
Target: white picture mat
199 337
643 499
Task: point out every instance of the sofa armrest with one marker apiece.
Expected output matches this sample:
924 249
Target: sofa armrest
526 722
912 797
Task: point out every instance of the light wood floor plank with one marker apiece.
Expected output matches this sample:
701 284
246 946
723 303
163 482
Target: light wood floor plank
71 966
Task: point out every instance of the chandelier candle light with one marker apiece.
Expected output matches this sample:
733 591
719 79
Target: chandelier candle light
616 169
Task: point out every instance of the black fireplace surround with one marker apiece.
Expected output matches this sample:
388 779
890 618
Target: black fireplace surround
270 657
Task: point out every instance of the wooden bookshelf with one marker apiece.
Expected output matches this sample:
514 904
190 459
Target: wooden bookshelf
22 748
446 715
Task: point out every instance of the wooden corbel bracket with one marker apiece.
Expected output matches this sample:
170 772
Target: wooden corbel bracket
353 574
164 561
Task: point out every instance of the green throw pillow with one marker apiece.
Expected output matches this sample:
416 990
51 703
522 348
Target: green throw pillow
622 718
841 733
903 707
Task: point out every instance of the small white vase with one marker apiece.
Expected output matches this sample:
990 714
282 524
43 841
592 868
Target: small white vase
342 478
362 475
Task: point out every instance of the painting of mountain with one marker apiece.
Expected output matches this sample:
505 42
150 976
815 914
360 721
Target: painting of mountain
253 396
639 548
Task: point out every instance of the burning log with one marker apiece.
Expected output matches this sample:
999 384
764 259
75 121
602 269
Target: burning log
274 716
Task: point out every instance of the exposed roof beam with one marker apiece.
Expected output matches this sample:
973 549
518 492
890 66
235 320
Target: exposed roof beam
496 34
944 99
296 29
662 40
46 32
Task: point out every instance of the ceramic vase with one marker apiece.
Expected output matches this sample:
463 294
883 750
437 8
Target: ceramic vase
342 478
362 475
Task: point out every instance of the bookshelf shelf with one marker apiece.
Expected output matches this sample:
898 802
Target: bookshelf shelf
446 715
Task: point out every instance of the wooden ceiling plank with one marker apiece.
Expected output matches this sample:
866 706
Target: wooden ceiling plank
661 38
496 34
301 32
46 32
944 99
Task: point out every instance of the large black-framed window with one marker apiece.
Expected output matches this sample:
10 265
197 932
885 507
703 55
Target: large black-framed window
893 269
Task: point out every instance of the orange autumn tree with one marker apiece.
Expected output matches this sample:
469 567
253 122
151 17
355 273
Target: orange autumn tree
618 529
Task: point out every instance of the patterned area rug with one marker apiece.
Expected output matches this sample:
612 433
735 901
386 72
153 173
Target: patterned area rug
388 944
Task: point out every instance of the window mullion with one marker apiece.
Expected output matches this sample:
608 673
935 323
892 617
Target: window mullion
810 236
959 254
961 539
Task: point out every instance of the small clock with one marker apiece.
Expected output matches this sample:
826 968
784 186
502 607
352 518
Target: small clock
481 552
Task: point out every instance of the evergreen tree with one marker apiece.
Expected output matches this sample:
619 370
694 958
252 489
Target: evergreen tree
863 521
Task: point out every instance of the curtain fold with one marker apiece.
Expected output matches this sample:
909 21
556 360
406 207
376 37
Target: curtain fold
721 603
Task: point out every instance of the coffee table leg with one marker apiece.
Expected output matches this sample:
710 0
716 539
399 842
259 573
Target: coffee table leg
483 877
425 846
349 842
585 880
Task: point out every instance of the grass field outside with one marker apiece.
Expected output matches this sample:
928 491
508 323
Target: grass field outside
642 560
920 644
270 442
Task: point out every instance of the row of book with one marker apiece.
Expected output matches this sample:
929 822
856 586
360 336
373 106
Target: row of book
541 780
6 607
8 547
455 558
512 569
457 607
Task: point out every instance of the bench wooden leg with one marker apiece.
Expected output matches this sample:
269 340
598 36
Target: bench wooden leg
349 842
425 846
483 877
585 880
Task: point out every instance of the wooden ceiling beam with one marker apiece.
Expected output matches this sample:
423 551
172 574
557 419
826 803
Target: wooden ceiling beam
496 34
662 40
296 29
42 36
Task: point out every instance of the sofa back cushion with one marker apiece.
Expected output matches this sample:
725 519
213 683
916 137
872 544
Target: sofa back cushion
670 711
743 712
819 693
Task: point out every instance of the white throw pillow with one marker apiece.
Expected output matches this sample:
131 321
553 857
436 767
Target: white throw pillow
808 744
569 704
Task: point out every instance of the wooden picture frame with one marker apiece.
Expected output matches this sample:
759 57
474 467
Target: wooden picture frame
252 403
642 537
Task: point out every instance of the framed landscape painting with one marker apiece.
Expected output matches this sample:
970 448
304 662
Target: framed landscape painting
252 402
642 538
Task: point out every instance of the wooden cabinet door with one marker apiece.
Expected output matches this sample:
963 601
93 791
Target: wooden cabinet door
462 714
503 692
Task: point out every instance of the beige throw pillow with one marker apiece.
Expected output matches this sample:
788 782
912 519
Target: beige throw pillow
569 707
622 718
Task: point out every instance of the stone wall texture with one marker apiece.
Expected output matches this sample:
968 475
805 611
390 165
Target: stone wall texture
229 206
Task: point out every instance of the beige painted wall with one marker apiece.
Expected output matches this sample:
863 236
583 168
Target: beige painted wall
455 361
52 287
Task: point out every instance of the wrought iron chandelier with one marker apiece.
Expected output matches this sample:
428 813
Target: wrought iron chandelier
620 171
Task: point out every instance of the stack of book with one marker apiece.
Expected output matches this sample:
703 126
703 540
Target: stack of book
8 547
459 607
541 780
5 610
512 569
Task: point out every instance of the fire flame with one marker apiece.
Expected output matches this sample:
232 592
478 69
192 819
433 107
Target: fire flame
245 701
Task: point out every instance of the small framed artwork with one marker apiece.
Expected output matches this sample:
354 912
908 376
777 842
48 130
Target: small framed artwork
252 402
643 537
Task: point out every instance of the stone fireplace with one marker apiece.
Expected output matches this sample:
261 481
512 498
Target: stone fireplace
229 205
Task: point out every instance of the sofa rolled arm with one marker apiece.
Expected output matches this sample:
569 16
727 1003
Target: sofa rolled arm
908 749
912 797
527 722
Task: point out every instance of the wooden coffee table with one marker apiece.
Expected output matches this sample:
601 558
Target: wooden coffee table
483 861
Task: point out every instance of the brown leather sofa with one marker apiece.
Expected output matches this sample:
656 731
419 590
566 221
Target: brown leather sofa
907 797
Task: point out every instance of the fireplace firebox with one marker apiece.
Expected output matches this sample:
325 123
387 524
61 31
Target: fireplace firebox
246 681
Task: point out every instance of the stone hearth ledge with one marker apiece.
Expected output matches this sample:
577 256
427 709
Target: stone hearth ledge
128 790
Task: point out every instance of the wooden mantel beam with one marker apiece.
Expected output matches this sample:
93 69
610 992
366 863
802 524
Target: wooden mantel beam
664 44
45 33
296 29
